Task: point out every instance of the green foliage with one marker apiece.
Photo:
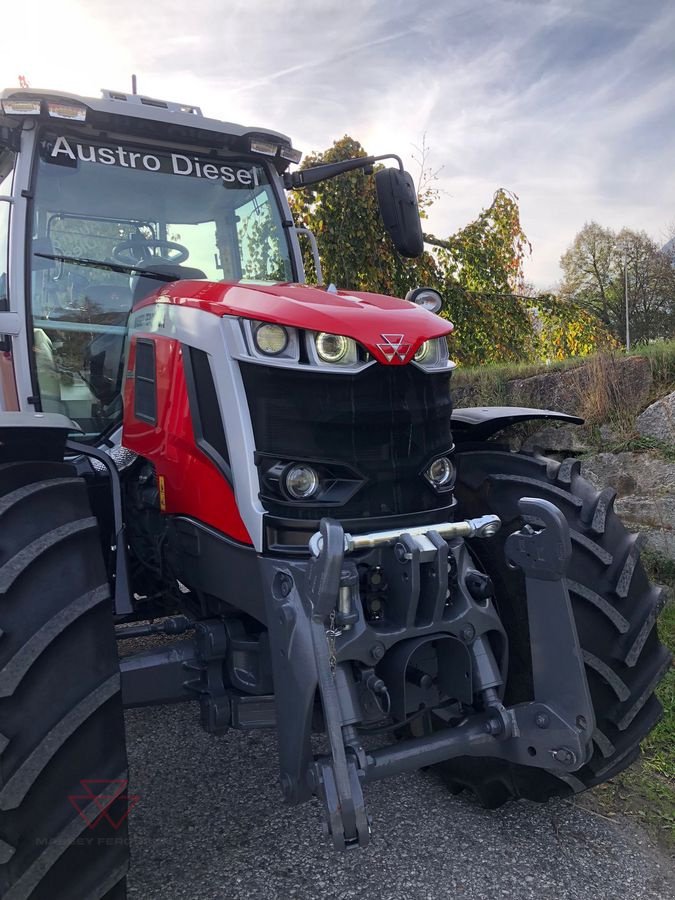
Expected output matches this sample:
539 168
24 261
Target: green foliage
565 329
478 270
487 255
355 250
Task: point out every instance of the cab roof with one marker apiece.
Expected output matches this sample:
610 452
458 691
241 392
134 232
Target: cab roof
137 114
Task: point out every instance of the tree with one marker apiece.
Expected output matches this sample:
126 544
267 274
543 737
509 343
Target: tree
478 270
355 250
596 268
589 269
487 255
651 287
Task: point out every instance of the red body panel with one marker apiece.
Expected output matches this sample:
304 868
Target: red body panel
364 317
190 484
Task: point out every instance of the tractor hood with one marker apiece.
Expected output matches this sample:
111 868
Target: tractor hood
370 319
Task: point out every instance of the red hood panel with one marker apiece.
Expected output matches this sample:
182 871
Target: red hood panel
371 319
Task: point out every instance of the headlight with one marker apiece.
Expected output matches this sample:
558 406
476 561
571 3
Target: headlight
270 339
301 482
424 352
335 348
440 473
427 298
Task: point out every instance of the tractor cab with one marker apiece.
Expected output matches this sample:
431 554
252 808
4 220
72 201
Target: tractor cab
113 199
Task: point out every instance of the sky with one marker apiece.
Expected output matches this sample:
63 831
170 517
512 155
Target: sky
570 104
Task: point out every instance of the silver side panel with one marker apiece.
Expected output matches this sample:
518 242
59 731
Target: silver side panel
17 274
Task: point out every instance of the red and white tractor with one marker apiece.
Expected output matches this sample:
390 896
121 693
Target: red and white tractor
196 444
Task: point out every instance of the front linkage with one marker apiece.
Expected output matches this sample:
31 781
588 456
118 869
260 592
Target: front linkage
447 640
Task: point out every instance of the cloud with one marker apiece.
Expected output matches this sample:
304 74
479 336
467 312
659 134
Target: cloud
569 103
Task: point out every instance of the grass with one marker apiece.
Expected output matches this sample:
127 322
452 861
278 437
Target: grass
646 791
598 394
661 358
638 443
488 385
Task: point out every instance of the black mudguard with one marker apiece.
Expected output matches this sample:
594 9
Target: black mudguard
34 436
478 423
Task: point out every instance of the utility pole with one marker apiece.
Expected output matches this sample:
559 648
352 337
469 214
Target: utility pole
625 294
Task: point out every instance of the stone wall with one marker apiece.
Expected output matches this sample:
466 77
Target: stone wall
568 390
644 481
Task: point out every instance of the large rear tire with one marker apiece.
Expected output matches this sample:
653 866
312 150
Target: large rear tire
62 749
615 609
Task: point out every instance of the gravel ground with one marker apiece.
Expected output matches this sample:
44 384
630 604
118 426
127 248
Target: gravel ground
210 825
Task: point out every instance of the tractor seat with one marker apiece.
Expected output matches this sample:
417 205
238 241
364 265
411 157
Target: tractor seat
142 286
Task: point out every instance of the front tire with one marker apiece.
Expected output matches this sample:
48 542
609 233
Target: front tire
63 767
615 609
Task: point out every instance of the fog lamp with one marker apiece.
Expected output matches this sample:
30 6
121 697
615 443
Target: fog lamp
441 472
301 482
270 339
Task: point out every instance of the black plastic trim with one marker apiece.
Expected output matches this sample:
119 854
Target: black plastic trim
477 423
207 421
210 562
275 527
145 406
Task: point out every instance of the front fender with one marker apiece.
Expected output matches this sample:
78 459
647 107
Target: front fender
477 423
34 436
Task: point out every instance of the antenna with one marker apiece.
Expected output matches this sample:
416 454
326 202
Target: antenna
133 85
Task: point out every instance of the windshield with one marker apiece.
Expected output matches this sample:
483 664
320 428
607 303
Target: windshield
112 222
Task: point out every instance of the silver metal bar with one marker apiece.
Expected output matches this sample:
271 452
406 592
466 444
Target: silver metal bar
483 527
80 327
315 252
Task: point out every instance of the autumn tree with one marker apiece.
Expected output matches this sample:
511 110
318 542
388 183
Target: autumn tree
478 270
343 213
599 265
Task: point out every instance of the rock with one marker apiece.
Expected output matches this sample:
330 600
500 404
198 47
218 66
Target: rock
568 440
658 420
653 517
641 474
645 486
587 388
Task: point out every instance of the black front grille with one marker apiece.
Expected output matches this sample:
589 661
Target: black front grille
386 423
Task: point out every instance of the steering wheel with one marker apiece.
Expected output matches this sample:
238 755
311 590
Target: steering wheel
131 253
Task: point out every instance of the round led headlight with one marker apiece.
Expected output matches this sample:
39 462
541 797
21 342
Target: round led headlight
270 339
301 482
427 298
424 352
441 472
335 348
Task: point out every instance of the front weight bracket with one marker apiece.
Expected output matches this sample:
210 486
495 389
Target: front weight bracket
562 708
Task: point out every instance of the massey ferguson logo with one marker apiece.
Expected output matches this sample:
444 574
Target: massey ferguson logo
104 800
394 345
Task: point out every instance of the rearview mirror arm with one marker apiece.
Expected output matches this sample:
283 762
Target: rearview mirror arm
314 174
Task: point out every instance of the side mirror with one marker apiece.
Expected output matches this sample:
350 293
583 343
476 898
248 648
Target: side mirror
398 207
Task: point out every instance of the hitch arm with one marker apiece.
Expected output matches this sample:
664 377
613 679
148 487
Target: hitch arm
541 550
335 780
